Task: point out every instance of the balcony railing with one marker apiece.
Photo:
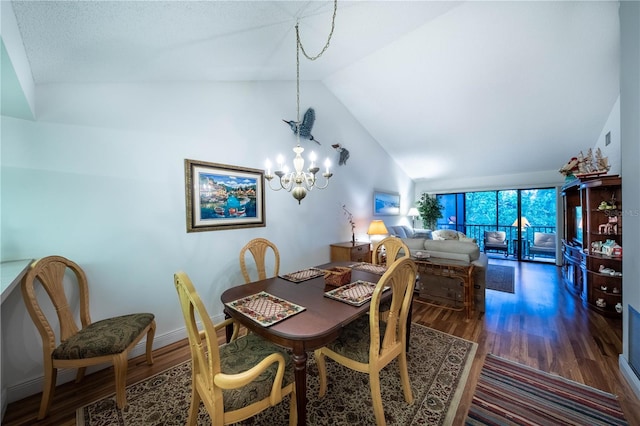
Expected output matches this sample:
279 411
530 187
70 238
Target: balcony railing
477 232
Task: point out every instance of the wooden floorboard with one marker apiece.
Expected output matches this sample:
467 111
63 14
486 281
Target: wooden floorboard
540 325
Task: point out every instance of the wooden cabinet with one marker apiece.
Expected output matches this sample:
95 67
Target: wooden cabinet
350 252
592 253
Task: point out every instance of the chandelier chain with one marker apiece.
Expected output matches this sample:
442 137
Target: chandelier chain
300 47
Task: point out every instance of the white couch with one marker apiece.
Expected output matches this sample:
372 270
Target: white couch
453 245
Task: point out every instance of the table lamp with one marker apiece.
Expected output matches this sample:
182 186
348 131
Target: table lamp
377 230
524 223
413 213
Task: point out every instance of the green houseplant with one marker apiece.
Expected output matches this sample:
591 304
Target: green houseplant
430 210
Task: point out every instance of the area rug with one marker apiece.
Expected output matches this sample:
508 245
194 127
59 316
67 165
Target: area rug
500 278
439 366
509 393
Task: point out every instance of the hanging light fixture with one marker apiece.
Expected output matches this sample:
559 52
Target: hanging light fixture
299 181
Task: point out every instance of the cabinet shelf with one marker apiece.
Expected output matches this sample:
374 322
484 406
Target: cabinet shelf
608 292
583 222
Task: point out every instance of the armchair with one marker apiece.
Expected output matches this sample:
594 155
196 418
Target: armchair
544 243
497 241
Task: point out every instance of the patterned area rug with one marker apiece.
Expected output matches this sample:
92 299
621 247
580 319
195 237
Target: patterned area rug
500 278
509 393
438 369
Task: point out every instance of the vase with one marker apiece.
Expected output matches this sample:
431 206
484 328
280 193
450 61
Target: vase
353 239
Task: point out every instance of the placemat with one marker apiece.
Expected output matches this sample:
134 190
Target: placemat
375 269
264 308
355 293
303 275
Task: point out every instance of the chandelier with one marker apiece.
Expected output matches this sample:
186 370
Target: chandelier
300 181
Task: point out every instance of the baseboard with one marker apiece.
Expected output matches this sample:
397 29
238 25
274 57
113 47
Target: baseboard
629 375
34 386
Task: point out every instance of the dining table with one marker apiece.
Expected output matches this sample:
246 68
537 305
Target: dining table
317 325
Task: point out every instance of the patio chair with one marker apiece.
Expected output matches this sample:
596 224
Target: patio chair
496 241
544 244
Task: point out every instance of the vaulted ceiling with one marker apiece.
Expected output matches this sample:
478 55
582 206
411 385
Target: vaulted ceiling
447 88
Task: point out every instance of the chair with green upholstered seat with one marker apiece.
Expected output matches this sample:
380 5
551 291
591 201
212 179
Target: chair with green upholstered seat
371 342
237 380
85 344
393 247
259 247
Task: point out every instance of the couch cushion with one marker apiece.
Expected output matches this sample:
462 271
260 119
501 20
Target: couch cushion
399 231
452 249
445 234
414 244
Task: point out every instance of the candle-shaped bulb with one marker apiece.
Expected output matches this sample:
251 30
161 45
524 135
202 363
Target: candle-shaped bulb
327 164
312 158
267 165
280 161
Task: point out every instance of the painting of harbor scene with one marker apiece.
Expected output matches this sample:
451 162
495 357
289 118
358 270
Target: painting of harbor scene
224 197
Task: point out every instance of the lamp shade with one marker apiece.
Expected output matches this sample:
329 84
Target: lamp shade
413 212
376 227
523 222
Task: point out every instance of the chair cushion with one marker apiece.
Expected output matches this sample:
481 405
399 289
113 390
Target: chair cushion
543 239
354 339
107 337
495 237
243 354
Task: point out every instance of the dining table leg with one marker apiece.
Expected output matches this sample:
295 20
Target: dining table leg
300 372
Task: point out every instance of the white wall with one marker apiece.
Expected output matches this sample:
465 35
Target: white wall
99 178
612 151
630 142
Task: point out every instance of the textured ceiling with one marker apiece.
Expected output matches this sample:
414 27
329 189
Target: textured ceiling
503 87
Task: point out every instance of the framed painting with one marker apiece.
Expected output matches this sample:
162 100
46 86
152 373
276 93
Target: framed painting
219 196
386 203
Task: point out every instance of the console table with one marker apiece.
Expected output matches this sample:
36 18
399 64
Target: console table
351 252
447 268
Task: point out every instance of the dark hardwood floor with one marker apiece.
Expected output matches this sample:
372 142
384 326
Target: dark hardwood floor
541 325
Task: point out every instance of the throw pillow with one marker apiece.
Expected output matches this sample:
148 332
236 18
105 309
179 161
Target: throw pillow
445 234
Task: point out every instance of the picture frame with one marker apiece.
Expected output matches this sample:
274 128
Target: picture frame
386 203
221 196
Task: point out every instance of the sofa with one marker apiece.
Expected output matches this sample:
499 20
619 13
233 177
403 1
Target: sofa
452 245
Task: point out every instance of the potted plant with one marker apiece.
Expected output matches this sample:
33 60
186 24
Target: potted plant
430 210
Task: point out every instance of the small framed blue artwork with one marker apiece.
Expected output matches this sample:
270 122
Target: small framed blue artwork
386 203
219 196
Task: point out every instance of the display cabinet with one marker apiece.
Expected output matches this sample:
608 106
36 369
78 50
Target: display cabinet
592 243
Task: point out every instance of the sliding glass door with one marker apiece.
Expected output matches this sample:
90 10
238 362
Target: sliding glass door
520 213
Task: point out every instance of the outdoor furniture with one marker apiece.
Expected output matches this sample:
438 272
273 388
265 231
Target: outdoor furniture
237 380
496 241
80 345
544 243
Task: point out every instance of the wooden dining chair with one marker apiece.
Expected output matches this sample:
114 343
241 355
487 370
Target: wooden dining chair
370 343
259 247
238 379
85 344
392 247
